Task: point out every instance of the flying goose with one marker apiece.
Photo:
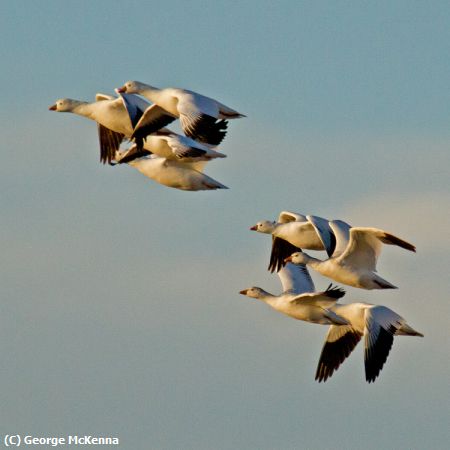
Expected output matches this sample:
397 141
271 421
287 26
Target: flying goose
112 116
199 115
171 173
354 262
348 322
116 118
173 146
293 231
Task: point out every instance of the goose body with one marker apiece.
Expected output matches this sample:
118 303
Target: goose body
348 322
294 231
116 117
299 299
377 324
173 146
198 114
174 174
354 261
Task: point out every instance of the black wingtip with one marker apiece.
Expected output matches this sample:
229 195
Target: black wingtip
394 240
208 129
334 291
281 249
377 354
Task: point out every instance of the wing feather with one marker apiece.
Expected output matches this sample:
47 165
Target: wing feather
153 119
281 249
295 279
339 343
381 324
109 143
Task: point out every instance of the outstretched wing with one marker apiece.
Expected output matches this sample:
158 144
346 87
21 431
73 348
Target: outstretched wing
296 279
130 154
339 343
184 147
341 231
109 143
324 232
204 128
324 299
99 97
289 216
362 250
135 107
281 249
381 324
152 119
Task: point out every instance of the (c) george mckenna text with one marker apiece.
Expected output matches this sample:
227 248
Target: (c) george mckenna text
55 441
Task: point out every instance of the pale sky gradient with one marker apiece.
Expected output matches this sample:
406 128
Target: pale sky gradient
120 312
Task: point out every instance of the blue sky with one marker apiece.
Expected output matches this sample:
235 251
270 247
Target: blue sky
120 311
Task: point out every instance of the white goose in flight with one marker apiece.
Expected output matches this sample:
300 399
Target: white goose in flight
114 115
173 146
199 115
348 322
354 259
171 173
293 231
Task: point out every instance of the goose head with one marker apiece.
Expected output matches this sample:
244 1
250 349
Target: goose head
133 87
64 105
297 258
254 292
266 226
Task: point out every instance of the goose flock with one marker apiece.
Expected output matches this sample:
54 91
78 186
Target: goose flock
138 115
352 256
161 154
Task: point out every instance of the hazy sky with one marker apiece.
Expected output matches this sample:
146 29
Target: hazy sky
120 312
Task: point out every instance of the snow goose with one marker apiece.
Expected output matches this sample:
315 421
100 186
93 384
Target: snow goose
294 231
299 299
174 174
199 115
354 262
116 118
348 322
378 324
170 145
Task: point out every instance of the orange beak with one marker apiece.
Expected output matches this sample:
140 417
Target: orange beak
52 108
244 292
122 90
288 259
253 228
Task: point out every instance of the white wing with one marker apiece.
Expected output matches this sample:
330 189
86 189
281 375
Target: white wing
296 279
100 97
281 248
198 117
362 250
324 299
184 147
381 324
192 104
324 232
288 216
341 231
339 343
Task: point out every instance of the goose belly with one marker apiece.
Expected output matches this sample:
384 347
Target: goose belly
339 273
307 313
300 237
354 313
170 174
